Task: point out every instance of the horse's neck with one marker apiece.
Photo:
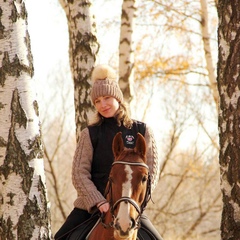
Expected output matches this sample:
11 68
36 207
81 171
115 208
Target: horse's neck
102 233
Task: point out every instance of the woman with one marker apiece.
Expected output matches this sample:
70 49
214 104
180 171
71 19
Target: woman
93 157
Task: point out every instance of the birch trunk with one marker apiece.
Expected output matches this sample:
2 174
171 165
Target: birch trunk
24 212
207 50
126 49
229 120
83 49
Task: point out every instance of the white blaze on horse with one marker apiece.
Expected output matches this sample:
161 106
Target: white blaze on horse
127 191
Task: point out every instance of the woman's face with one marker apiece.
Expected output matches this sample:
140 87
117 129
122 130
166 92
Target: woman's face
106 106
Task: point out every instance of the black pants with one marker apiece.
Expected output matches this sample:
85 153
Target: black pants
78 216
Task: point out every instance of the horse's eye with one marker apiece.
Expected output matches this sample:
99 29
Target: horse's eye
144 179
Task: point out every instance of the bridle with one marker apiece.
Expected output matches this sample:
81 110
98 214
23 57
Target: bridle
125 199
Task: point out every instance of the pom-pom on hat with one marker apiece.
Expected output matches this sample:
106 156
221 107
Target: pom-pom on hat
105 83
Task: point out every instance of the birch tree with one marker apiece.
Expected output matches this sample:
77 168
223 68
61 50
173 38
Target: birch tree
24 212
127 48
229 90
207 50
83 49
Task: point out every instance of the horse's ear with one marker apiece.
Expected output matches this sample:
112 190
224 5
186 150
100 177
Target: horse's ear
117 145
140 146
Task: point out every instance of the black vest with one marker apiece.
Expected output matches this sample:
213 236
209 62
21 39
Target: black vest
102 138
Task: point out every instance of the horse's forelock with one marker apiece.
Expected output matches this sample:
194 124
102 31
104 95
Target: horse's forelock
130 155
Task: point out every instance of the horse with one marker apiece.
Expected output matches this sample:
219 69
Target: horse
127 191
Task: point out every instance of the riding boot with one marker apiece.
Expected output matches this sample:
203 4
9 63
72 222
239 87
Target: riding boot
148 229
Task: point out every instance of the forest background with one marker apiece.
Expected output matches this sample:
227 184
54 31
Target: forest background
173 94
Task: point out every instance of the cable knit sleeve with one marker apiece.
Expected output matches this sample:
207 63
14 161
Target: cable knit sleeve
88 195
152 157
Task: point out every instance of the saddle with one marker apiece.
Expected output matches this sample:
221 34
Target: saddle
82 231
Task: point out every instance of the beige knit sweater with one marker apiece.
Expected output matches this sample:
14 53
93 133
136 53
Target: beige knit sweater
88 195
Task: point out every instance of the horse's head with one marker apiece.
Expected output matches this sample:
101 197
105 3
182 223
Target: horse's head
128 186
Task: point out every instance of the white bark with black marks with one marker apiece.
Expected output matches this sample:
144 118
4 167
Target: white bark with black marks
24 212
83 49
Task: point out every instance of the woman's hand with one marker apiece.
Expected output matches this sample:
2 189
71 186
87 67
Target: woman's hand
103 206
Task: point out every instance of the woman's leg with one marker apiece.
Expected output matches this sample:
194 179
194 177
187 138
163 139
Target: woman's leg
76 217
146 223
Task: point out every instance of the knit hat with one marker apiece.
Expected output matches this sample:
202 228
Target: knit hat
105 83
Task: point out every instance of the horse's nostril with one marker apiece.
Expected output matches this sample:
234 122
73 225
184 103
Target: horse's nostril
133 223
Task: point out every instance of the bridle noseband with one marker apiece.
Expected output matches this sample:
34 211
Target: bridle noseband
125 199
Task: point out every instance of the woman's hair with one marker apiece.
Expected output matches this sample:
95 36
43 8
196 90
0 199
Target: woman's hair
122 116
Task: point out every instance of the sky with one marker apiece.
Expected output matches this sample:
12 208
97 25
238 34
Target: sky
48 33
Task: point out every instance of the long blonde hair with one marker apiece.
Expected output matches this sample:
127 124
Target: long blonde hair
122 116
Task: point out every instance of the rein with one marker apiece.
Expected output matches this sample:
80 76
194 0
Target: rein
138 208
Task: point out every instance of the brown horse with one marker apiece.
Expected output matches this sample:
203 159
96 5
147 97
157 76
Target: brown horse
127 191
